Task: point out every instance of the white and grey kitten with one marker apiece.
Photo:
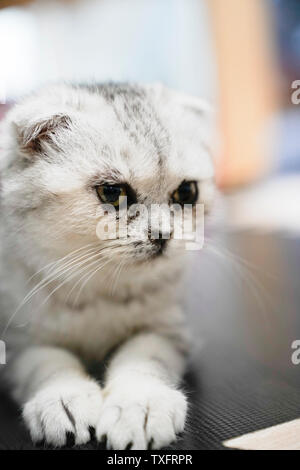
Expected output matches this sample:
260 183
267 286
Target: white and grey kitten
68 298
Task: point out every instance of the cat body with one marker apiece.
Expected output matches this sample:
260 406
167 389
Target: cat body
68 298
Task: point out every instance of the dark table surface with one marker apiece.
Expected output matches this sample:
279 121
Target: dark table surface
243 303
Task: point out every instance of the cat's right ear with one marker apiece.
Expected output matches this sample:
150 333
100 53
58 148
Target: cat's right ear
194 104
37 137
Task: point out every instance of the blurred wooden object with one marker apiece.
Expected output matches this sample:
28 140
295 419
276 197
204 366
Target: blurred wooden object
284 436
12 3
248 82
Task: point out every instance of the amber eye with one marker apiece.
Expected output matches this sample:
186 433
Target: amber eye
111 194
186 193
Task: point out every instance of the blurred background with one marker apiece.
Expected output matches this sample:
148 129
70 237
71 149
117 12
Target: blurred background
241 56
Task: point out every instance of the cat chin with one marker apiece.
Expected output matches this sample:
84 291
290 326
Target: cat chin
151 258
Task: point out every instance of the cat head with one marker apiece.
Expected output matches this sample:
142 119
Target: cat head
67 151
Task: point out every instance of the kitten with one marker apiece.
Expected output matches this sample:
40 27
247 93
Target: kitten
66 150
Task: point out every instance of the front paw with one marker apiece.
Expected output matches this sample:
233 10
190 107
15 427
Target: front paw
68 407
148 415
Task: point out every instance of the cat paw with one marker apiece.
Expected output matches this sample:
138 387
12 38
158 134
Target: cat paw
64 412
144 417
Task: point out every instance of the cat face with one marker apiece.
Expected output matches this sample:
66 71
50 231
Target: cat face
68 151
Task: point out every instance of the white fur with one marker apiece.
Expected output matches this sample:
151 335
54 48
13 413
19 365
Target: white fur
49 210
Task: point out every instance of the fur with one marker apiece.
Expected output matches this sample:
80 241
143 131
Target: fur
96 296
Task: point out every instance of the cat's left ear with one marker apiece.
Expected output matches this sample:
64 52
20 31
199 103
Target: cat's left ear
189 110
191 103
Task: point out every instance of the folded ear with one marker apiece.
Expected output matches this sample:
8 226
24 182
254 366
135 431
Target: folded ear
195 116
40 135
189 102
193 104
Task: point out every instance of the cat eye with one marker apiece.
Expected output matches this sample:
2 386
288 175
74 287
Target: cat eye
111 193
186 193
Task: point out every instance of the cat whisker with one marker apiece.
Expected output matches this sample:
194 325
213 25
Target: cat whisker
246 275
89 275
89 266
51 265
69 278
235 257
74 274
52 277
43 283
117 274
